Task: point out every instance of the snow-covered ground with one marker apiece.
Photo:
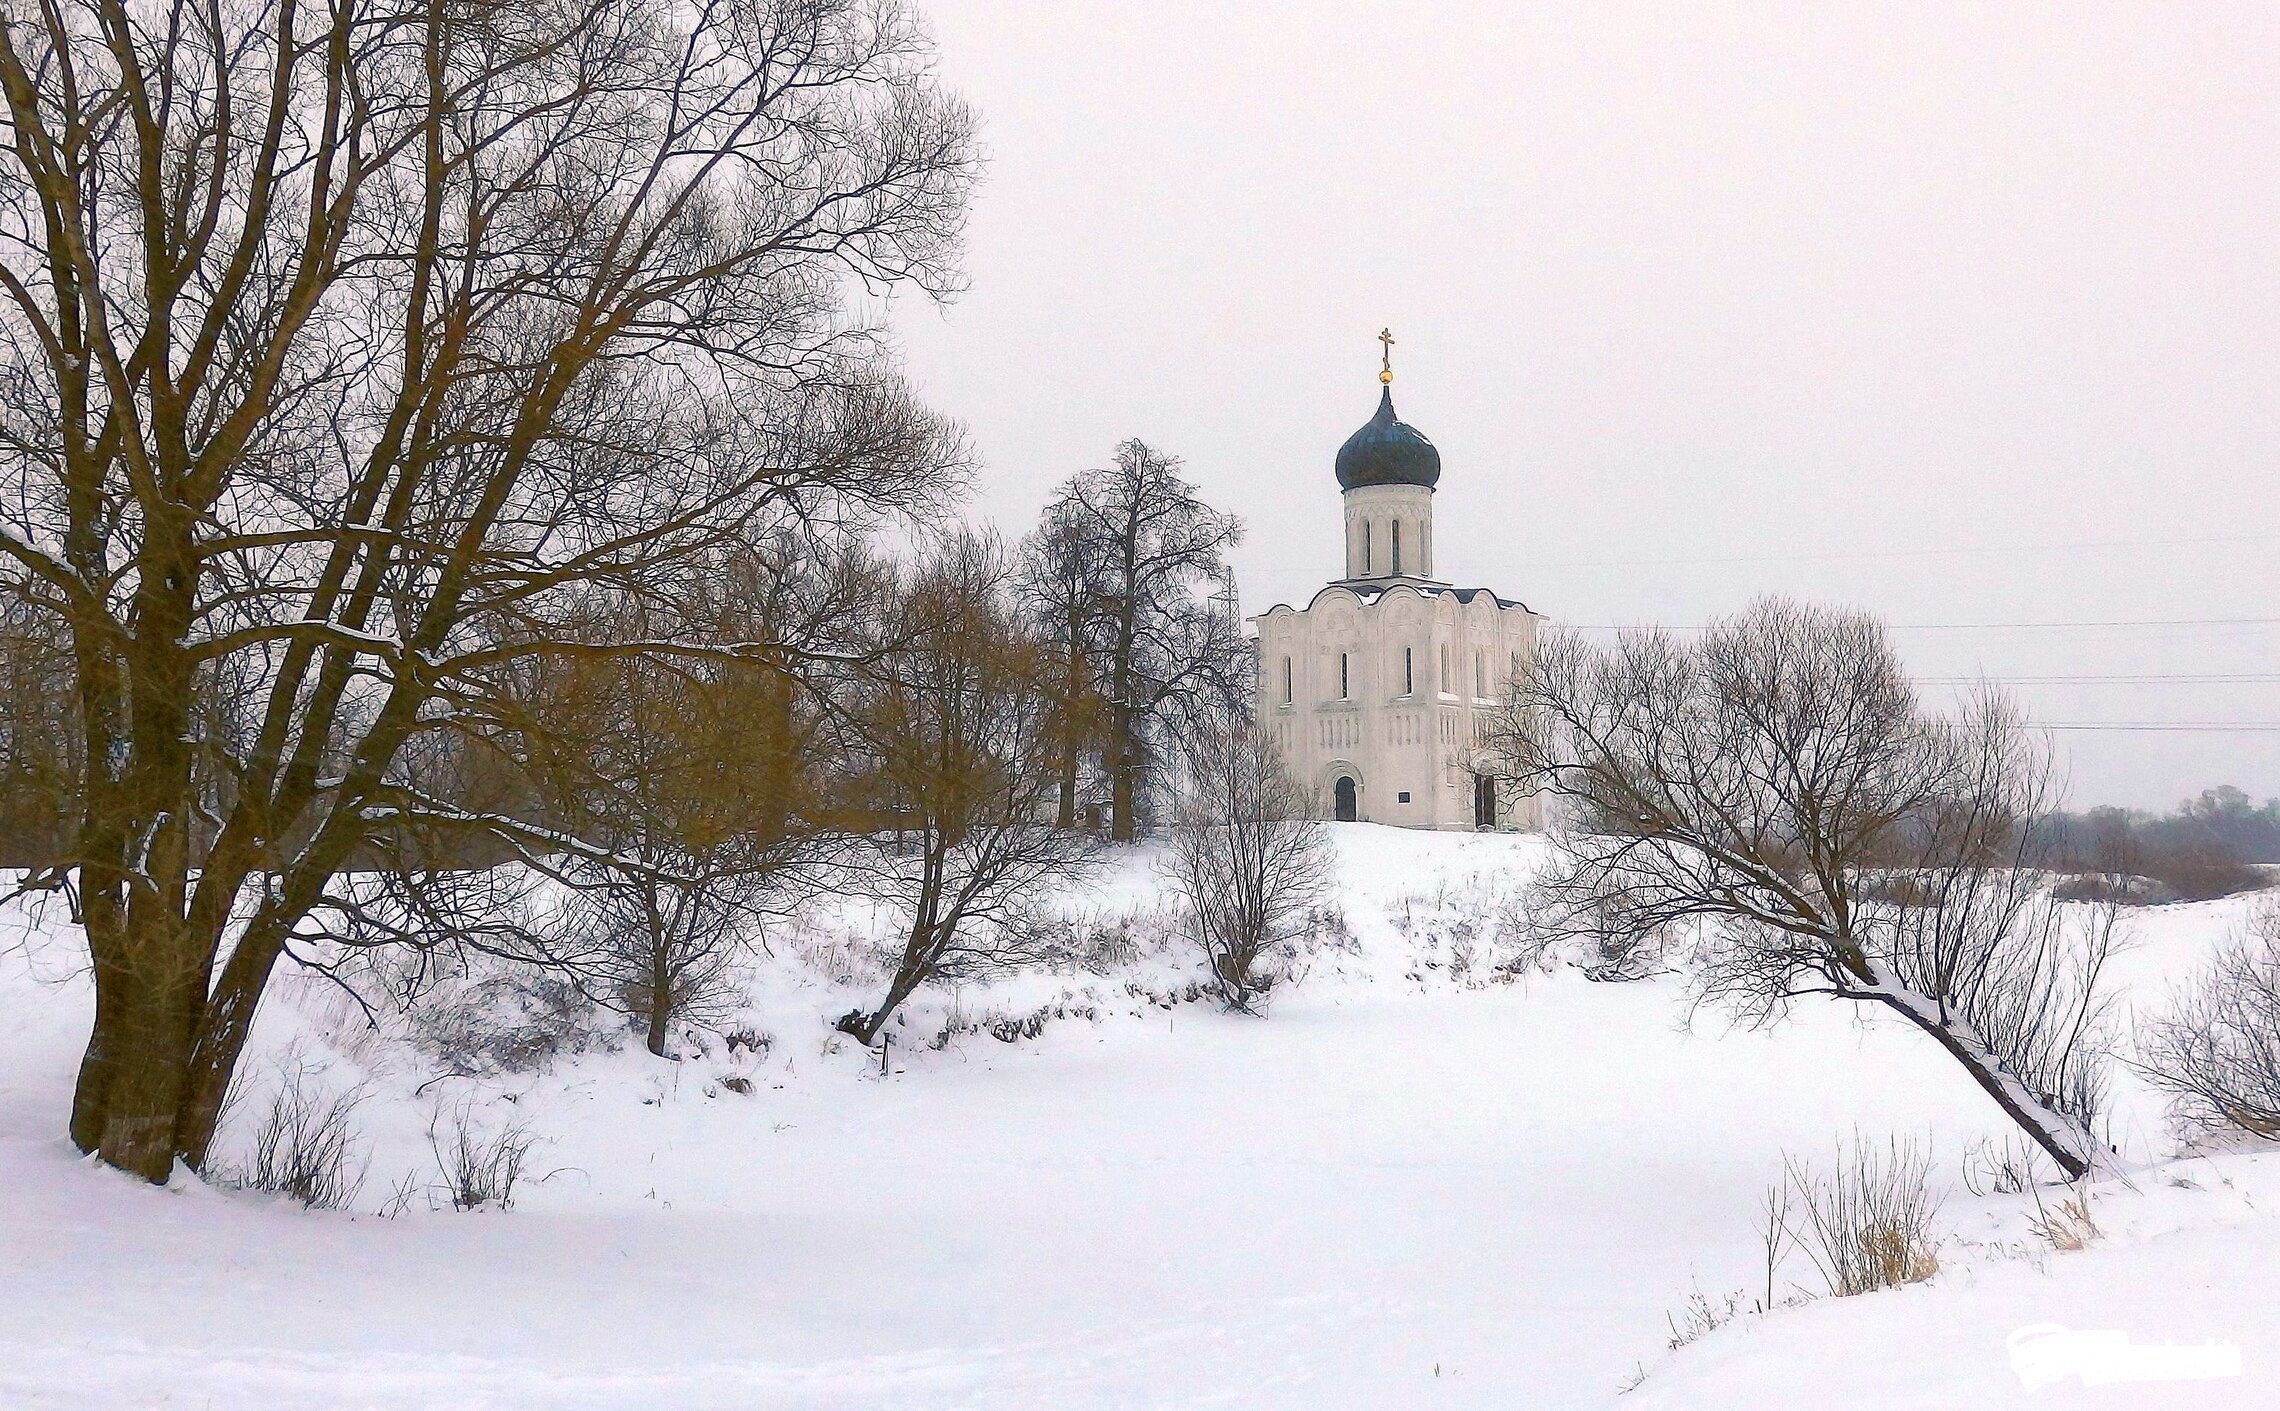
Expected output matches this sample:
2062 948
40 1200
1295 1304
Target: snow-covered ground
1412 1184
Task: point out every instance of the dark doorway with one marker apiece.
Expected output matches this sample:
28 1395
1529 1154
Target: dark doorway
1484 802
1347 808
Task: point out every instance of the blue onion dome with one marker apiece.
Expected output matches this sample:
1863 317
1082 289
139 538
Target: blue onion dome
1388 451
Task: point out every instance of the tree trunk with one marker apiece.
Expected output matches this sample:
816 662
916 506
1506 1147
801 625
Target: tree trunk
1070 742
227 1023
1123 784
90 1097
2063 1139
146 1070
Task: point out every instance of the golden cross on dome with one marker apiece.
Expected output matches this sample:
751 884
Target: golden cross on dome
1385 336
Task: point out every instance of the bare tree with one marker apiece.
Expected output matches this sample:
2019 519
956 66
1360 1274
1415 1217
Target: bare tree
2216 1050
342 344
694 779
959 725
1778 778
1144 554
1246 861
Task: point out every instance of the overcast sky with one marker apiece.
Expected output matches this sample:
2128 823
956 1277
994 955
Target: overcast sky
1699 302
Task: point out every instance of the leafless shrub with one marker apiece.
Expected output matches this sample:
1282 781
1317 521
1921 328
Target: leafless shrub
2066 1226
1246 862
1471 928
479 1169
2216 1052
400 1196
477 1015
1094 941
305 1146
1867 1223
2112 887
1700 1316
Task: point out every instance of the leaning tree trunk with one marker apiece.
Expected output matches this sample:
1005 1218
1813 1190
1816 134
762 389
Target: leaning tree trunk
2065 1140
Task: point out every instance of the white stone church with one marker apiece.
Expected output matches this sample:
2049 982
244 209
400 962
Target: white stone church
1380 688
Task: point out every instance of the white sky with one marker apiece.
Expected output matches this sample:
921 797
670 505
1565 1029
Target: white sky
1697 301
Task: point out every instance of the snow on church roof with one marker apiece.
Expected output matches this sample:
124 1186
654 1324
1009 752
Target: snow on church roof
1368 593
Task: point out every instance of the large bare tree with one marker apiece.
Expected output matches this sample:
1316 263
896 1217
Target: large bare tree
1145 557
341 343
1778 778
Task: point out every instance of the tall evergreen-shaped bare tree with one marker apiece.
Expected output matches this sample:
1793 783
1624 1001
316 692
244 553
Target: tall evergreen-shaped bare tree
1145 555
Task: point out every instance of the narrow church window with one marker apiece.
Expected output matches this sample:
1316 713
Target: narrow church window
1344 689
1408 671
1286 681
1366 565
1397 548
1445 667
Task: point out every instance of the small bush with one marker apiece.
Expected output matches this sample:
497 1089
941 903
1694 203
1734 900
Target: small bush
1702 1316
480 1170
305 1147
2066 1226
2217 1051
1867 1224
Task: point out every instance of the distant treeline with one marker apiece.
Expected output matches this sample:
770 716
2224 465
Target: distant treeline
2207 847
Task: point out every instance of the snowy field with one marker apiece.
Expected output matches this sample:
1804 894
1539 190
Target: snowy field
1412 1185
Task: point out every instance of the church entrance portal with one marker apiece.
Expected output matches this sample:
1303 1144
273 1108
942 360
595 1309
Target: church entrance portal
1484 802
1348 809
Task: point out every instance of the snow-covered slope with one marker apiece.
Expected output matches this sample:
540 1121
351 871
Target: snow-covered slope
1414 1184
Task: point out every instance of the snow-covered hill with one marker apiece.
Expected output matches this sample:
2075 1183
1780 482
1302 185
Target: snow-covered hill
1420 1182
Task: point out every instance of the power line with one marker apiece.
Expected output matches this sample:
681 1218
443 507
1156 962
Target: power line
2232 679
1966 626
1849 554
2183 727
